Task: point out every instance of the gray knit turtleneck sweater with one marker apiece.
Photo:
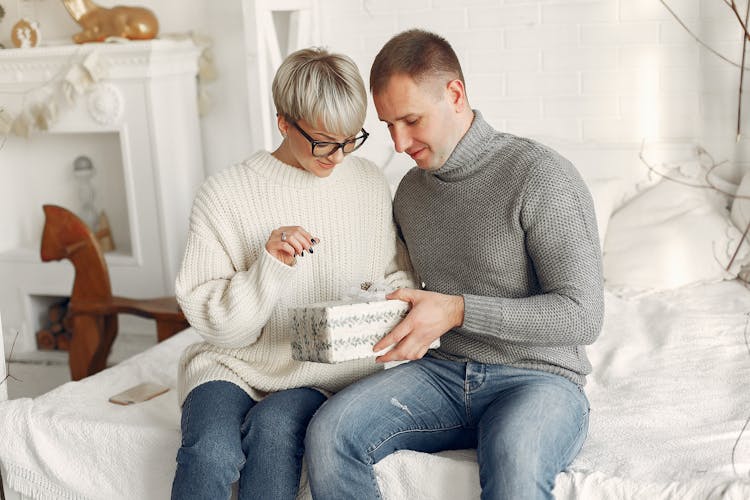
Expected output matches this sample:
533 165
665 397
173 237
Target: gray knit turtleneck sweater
509 224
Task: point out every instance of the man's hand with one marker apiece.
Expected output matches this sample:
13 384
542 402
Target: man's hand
431 315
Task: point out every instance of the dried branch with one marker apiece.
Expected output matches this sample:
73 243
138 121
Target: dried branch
697 38
736 12
739 245
746 36
10 358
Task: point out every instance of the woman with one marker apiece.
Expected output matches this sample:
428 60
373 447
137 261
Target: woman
279 230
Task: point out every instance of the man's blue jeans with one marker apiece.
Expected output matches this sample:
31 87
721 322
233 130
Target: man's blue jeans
527 426
226 437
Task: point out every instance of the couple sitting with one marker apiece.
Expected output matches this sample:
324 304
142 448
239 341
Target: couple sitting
501 235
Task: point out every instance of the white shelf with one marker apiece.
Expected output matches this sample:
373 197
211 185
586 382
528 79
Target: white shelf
44 166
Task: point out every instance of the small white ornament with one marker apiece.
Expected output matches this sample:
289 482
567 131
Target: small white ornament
84 171
22 124
95 67
105 104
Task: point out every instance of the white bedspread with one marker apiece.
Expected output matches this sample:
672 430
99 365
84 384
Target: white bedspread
668 401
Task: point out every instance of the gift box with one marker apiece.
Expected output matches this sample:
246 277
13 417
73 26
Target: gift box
332 332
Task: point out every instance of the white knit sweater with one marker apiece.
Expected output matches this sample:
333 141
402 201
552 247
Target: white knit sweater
237 296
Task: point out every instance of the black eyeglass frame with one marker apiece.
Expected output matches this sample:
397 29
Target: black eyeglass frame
339 145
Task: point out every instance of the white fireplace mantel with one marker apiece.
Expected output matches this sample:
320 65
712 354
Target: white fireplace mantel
139 124
155 58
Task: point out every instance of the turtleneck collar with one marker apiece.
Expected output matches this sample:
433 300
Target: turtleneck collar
466 157
265 164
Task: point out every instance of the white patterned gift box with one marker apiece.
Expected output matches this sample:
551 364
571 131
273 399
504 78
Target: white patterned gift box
332 332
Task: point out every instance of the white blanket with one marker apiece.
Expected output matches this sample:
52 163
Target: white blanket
667 395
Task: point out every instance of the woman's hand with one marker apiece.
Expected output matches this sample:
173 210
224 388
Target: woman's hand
286 242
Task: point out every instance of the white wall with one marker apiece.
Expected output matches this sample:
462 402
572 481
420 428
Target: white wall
719 85
579 74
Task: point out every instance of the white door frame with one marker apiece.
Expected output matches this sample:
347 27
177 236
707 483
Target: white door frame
264 53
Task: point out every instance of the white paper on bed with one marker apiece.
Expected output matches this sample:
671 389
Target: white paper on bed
668 397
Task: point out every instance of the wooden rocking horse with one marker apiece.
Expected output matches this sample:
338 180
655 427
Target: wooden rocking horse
92 306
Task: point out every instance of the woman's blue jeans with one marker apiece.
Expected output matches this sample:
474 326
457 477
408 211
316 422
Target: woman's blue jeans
228 437
527 426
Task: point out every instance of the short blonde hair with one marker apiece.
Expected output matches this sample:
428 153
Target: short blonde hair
322 88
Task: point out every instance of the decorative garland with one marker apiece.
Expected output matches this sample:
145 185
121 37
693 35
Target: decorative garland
79 78
54 95
58 95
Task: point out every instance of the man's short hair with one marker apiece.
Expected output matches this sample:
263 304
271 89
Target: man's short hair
322 88
418 54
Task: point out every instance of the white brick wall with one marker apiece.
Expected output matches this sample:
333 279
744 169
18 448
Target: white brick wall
652 10
589 74
573 12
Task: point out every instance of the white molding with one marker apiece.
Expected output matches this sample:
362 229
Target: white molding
264 55
145 59
134 226
3 366
105 104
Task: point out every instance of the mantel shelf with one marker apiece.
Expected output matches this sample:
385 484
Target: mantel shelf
134 59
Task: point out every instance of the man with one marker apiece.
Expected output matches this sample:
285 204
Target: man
502 234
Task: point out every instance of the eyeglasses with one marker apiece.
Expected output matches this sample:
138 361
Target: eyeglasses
321 149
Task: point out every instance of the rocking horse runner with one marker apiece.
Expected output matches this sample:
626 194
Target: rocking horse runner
92 306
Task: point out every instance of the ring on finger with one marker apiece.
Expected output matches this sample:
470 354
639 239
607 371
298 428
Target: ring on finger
283 235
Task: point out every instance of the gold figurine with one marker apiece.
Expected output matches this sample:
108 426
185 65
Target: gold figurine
25 34
99 23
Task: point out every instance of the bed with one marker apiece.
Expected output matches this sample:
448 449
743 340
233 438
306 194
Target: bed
669 402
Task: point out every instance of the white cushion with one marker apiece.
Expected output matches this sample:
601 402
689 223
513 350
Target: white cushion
669 236
741 204
3 371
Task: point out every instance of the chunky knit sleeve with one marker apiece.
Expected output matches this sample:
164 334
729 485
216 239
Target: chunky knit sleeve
399 273
557 216
377 210
226 298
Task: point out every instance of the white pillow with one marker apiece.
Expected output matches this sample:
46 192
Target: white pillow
668 236
741 204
